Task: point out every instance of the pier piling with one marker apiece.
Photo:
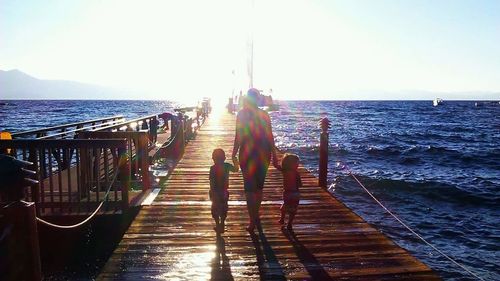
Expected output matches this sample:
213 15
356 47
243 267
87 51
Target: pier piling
323 152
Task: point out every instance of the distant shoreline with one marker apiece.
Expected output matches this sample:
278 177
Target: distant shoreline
291 100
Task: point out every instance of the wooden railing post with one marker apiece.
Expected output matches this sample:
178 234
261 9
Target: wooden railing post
35 188
153 129
142 154
124 176
182 135
323 152
21 243
189 129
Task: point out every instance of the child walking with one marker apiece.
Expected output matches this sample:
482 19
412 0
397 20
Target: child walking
219 184
291 184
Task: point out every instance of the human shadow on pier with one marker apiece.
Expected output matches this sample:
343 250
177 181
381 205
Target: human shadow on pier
221 269
269 266
312 265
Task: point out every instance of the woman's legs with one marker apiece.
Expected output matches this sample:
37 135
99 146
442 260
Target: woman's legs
254 200
254 170
282 214
258 201
251 207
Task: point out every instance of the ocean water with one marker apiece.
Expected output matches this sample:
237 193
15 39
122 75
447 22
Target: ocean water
437 168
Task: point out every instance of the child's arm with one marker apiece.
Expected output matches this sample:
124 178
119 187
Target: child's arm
212 182
274 156
236 164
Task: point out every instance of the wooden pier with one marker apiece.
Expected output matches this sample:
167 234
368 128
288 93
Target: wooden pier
173 238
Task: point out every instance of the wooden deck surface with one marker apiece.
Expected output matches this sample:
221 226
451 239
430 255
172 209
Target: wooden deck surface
173 239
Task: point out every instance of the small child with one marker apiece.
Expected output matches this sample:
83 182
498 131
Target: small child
219 184
291 184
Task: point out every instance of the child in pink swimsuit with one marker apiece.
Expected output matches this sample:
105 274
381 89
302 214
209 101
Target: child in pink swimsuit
219 184
291 185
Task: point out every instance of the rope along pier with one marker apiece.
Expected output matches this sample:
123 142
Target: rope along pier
409 228
104 200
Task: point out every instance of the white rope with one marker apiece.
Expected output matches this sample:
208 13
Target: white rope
104 199
412 231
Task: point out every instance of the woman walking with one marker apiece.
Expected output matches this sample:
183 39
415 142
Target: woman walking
255 142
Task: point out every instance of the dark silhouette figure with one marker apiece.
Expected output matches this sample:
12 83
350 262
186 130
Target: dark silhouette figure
221 269
255 142
269 266
219 187
312 265
291 184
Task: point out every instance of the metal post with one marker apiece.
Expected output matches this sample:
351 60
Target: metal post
323 152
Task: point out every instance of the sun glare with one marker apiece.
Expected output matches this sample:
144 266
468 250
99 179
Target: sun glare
178 49
218 109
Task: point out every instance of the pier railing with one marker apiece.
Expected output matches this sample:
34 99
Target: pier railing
75 163
148 124
137 148
68 130
78 186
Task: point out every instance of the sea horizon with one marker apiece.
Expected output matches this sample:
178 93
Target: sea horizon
316 100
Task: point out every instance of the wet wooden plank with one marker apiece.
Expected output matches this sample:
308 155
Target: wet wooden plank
174 238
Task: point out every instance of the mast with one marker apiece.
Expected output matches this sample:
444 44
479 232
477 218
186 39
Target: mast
250 62
250 48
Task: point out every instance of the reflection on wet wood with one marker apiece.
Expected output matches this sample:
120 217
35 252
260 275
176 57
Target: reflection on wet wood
173 239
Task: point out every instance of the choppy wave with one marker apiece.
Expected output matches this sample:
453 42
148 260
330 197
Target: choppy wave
435 191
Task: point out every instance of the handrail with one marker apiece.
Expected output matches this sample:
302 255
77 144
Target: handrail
174 138
185 109
72 172
80 129
64 143
30 132
137 143
126 122
91 216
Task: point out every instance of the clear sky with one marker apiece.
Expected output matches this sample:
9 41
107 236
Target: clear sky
351 49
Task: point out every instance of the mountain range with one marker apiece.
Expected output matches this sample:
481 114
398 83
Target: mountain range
15 84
